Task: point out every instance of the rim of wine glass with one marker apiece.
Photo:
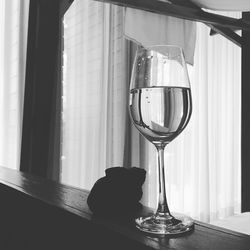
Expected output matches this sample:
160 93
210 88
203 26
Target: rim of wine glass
163 45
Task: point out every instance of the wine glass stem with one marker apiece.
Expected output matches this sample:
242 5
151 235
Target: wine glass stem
162 199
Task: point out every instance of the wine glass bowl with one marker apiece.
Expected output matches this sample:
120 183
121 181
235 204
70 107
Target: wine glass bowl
160 108
160 113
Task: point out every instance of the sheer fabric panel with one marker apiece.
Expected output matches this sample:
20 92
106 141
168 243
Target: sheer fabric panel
13 42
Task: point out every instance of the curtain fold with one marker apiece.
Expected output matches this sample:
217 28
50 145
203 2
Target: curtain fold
13 42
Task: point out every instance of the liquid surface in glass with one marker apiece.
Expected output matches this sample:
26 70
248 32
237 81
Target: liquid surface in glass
160 113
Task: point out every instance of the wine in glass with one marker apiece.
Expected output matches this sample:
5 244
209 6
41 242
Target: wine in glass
160 108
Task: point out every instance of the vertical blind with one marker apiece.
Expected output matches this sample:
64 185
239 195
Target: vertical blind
202 163
13 40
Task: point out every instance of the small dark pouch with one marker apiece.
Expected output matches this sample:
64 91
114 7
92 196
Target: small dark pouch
118 193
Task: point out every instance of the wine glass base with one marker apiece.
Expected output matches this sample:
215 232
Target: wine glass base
154 224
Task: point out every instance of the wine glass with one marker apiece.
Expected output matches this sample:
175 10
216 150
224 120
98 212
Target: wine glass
160 108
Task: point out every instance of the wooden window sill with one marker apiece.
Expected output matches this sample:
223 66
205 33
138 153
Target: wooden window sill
41 214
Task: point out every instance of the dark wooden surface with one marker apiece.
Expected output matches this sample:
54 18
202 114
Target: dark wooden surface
36 213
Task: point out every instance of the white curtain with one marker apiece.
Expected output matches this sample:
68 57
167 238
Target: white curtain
13 40
202 164
94 88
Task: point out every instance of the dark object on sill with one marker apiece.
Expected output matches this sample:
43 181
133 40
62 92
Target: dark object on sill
117 195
